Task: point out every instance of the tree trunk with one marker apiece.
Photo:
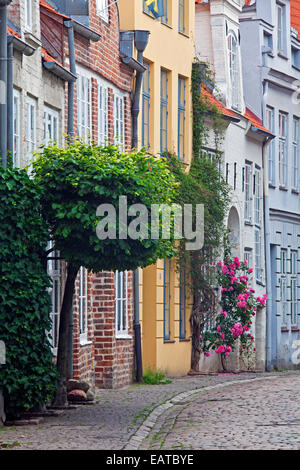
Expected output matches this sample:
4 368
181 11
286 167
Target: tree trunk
63 341
196 332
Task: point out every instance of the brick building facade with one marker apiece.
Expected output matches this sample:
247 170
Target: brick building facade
102 355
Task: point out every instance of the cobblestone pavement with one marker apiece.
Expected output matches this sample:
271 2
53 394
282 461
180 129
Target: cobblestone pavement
262 415
235 416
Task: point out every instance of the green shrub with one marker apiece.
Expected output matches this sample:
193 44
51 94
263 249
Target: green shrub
151 377
29 378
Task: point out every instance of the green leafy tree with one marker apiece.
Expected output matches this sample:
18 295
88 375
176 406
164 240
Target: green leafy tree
75 181
29 376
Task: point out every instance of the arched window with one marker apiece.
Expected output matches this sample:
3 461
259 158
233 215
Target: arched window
234 70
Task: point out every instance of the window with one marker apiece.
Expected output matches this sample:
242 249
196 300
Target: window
119 130
293 285
257 197
28 15
248 198
283 299
283 126
163 111
258 256
181 16
167 299
295 162
213 156
296 57
84 107
146 107
83 314
16 123
283 261
181 117
30 127
234 71
102 114
50 126
182 304
121 300
102 9
270 123
248 256
54 271
281 28
164 18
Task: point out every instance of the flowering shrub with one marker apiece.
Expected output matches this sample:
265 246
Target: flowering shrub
238 307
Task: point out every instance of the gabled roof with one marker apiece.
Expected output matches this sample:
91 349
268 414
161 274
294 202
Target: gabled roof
255 121
211 99
50 8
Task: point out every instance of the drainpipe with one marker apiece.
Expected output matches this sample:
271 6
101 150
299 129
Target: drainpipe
70 26
267 241
3 80
10 97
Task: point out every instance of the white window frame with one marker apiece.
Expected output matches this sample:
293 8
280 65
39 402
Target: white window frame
296 148
50 117
119 121
248 192
84 106
102 9
258 256
281 27
270 125
283 147
17 128
31 110
28 15
234 70
121 304
102 114
257 197
54 271
83 305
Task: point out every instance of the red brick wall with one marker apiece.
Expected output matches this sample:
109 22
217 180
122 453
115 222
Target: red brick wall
106 361
113 357
13 12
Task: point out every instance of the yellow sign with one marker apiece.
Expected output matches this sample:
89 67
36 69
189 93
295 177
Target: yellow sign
155 6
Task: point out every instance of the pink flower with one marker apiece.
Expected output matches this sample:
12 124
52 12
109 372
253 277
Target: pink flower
225 314
237 262
229 348
252 290
227 353
222 335
219 263
207 354
241 297
250 270
218 328
224 269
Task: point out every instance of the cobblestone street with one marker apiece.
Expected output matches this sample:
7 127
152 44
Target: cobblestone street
204 412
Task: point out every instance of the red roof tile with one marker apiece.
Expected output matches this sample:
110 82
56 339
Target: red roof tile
295 15
255 121
213 101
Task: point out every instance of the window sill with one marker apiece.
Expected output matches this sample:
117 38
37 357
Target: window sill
167 25
295 329
280 54
184 340
283 188
169 341
125 336
248 223
260 283
284 330
85 342
184 34
271 185
295 191
149 14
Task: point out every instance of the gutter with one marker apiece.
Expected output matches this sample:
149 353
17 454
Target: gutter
3 81
85 31
60 71
133 64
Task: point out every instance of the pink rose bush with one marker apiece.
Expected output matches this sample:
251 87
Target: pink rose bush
238 306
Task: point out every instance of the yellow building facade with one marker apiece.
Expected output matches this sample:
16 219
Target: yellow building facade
165 124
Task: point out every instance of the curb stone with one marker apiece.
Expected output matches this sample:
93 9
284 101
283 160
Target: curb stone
146 427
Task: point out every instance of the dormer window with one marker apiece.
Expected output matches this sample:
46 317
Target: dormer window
28 15
234 70
102 9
